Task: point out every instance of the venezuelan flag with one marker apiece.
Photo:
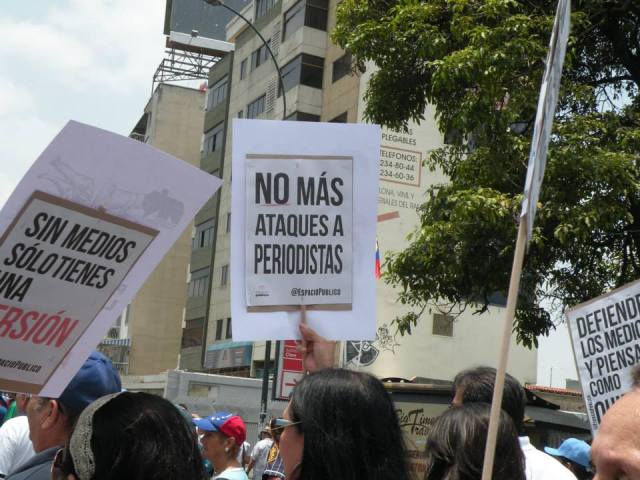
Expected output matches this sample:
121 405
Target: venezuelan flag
378 272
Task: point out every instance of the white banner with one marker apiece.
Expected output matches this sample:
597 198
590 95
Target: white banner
80 234
303 228
605 333
547 101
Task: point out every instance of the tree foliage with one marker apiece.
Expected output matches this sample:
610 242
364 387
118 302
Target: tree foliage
480 63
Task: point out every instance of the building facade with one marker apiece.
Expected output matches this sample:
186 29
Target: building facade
146 339
320 84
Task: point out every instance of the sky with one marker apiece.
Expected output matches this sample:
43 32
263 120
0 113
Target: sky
87 60
93 61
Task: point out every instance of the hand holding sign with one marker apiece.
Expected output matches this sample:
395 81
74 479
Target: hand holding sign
317 352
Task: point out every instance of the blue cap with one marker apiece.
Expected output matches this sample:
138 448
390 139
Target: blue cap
95 379
226 423
573 449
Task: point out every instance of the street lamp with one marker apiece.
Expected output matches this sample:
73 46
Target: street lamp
266 44
267 349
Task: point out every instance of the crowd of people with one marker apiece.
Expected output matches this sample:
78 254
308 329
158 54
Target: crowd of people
339 424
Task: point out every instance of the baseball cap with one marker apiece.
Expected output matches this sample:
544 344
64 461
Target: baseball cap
573 449
226 423
96 378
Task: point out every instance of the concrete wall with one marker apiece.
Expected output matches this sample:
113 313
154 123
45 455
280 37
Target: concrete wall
155 315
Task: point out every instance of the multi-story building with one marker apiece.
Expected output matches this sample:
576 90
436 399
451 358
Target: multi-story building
146 339
320 84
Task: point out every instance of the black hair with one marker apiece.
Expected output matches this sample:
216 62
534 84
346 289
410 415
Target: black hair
477 384
456 442
350 428
578 470
142 436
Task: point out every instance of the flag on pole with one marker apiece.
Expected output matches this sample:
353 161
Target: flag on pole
544 116
378 272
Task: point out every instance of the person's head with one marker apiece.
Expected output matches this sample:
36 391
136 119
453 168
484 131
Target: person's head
275 428
476 385
575 455
222 436
615 452
264 433
51 420
131 435
456 442
344 425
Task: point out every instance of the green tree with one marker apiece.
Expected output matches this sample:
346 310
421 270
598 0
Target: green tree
480 63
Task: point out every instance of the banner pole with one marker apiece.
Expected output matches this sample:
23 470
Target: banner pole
512 300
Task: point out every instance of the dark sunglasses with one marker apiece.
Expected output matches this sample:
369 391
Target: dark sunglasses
281 423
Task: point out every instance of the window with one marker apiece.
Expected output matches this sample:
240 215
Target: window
199 283
260 55
228 334
263 6
228 229
213 139
341 67
224 275
293 19
342 118
243 69
204 234
309 13
192 333
303 117
241 114
217 93
303 70
256 107
219 323
442 325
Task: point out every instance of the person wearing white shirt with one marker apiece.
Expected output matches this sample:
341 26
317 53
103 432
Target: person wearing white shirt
15 445
476 385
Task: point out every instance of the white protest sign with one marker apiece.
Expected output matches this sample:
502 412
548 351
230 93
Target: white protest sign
605 333
331 174
547 101
79 235
299 230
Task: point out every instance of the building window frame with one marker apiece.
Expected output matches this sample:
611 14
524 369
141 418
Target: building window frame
243 68
204 234
299 116
341 67
217 93
260 55
256 108
342 118
442 325
305 13
224 275
262 7
213 139
228 333
198 283
303 69
219 324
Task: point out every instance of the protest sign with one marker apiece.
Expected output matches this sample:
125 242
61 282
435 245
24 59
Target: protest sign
290 370
303 228
80 234
605 334
299 230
